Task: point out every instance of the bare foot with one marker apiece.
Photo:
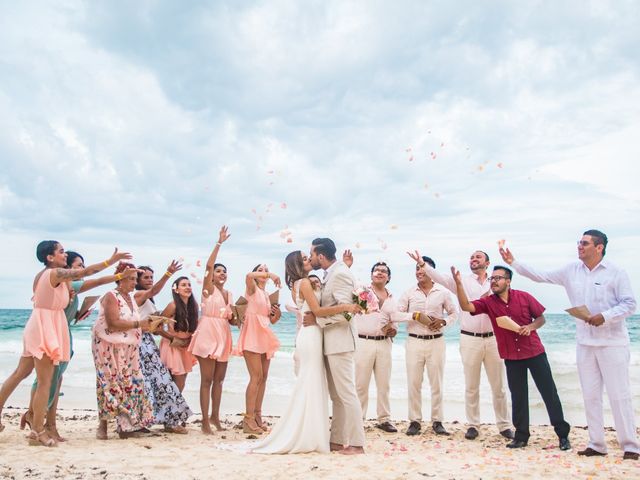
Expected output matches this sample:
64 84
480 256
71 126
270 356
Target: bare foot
336 447
216 423
352 451
206 429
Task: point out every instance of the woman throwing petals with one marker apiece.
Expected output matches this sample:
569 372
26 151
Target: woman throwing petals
169 406
46 335
211 343
257 343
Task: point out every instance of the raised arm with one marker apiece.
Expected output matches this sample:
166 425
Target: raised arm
97 282
464 302
142 296
252 276
207 283
434 275
557 277
59 275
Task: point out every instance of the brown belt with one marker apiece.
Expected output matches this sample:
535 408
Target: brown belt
482 335
425 337
372 337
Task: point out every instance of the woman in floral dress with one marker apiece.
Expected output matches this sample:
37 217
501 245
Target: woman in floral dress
115 341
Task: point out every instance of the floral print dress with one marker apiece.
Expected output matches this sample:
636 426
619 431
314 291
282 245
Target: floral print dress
169 406
119 381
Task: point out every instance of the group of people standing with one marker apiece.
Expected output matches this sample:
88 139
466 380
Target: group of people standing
340 345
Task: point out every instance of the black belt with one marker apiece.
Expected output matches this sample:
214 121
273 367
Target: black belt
372 337
425 337
481 335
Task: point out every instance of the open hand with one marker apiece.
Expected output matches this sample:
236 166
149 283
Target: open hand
174 266
506 255
455 273
224 234
118 256
347 258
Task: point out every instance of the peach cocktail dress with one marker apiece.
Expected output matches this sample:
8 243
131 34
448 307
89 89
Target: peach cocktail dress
46 331
212 338
178 360
256 335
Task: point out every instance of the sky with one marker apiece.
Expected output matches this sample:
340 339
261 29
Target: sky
386 126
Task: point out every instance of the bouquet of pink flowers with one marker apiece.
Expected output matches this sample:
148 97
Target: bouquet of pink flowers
367 300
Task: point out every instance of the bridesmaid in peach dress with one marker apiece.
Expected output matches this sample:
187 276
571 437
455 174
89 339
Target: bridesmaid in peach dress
257 343
211 342
175 341
46 335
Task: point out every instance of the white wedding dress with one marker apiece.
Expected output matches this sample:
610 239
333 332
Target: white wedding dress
304 427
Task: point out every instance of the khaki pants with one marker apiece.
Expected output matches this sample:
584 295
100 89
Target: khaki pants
346 419
374 356
421 354
476 352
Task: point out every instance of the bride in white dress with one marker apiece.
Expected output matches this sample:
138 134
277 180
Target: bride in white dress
304 427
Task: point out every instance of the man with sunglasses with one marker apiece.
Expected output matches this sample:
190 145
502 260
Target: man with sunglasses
521 350
602 351
373 347
478 346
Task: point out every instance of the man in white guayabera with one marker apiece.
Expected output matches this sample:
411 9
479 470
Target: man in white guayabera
602 352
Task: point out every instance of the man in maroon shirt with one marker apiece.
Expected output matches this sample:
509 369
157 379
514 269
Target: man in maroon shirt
521 351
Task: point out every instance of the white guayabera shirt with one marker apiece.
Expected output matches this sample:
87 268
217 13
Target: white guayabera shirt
606 289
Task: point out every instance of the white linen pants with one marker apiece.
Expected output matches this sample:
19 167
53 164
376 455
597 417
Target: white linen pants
608 367
374 356
421 354
477 352
346 420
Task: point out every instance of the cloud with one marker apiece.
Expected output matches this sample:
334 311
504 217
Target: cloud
148 125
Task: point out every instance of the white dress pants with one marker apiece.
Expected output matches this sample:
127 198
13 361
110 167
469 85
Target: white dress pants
607 367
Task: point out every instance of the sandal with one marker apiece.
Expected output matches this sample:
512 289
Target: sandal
35 439
53 433
24 421
177 429
248 428
261 425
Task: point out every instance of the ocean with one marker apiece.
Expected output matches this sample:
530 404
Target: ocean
558 337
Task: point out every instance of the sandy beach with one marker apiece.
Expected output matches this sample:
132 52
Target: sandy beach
394 456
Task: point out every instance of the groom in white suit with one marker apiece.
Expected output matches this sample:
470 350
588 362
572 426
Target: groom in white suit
347 430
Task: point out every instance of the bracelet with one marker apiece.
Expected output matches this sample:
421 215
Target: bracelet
266 274
218 244
106 264
416 316
118 277
136 324
421 265
168 274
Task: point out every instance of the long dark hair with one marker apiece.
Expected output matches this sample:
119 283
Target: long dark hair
71 256
186 316
141 270
293 268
